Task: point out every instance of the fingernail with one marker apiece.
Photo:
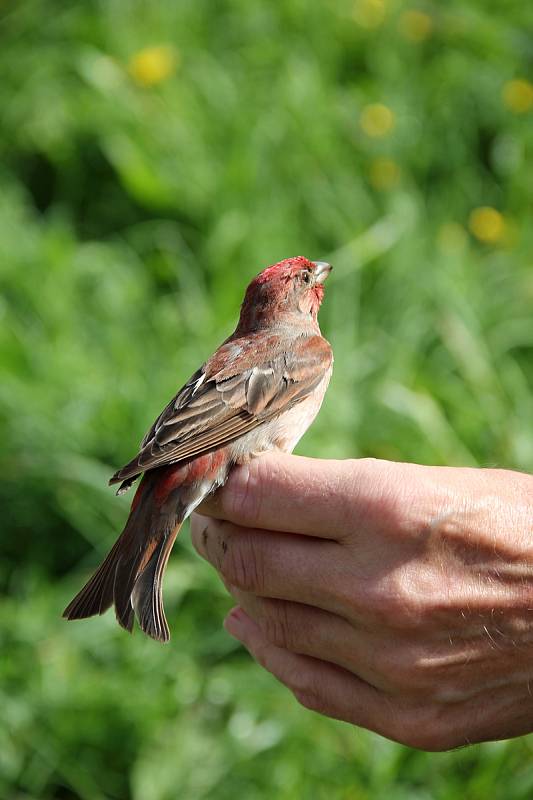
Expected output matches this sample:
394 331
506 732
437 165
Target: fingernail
236 623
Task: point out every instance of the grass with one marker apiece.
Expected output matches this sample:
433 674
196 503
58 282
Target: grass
154 156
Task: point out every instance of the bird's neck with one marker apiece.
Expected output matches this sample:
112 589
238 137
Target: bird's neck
296 323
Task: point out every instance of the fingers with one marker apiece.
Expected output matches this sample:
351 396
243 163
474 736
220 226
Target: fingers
316 497
285 566
320 634
404 667
418 723
317 685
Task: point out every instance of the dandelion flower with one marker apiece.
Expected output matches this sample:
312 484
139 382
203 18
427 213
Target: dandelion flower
377 120
487 224
517 96
384 174
369 14
416 26
152 65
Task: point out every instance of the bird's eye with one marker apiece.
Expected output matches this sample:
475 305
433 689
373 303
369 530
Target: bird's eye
306 276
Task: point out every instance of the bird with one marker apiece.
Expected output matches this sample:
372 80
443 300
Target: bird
259 391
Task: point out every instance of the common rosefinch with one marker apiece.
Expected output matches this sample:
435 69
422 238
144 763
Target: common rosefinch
260 391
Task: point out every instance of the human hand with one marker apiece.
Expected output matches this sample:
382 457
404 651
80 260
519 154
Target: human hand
393 596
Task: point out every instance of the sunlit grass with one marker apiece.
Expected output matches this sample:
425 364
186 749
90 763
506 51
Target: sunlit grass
152 162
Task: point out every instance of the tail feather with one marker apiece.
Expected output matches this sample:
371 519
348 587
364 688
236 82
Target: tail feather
147 596
97 594
127 570
131 576
125 575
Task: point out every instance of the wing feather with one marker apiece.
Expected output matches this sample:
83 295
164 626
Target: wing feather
217 406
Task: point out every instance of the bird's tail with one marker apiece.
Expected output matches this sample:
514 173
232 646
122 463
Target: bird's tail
132 574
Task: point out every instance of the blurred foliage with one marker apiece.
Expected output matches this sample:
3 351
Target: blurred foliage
153 157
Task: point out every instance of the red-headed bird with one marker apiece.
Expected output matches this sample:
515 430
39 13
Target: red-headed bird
260 391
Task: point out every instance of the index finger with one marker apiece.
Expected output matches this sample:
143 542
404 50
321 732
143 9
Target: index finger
316 497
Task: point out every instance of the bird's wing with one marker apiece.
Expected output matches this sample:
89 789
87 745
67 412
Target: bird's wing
228 397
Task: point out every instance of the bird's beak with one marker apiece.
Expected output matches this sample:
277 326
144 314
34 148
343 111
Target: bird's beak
322 270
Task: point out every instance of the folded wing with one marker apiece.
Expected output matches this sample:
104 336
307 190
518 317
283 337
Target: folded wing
228 397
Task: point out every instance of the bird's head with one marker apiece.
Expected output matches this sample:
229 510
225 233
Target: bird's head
291 290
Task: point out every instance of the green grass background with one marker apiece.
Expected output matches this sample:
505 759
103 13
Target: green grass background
134 208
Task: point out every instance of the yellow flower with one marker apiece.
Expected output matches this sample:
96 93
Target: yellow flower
384 173
151 65
487 224
376 120
451 237
369 13
415 25
517 95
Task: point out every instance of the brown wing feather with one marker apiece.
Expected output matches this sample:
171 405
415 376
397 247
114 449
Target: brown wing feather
222 402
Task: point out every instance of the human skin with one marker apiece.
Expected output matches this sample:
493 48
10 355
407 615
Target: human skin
396 597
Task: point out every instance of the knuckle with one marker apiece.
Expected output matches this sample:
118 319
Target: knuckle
391 600
241 565
429 741
261 654
276 625
246 495
426 729
309 698
397 671
306 690
412 668
300 680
